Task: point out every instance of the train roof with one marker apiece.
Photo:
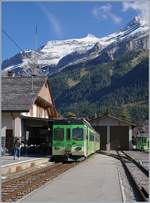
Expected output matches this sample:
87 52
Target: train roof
70 121
75 121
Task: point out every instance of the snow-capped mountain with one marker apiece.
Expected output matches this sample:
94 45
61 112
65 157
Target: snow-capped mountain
56 55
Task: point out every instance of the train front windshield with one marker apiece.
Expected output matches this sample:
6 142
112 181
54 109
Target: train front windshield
59 134
77 134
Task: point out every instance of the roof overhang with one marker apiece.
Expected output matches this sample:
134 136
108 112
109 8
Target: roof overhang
16 111
128 123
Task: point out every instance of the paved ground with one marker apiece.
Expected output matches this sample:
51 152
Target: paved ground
93 180
10 159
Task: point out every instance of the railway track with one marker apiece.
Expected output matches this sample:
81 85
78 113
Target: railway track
136 175
140 166
14 189
141 157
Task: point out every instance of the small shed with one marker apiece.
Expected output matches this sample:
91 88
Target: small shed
115 133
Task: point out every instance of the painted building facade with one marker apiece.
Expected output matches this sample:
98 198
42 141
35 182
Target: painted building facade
24 97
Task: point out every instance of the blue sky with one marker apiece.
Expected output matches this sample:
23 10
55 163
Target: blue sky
61 20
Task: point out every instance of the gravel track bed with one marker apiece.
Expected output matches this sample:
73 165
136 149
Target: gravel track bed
139 176
16 188
129 195
141 157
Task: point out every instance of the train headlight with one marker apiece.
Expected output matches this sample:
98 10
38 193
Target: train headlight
57 148
78 148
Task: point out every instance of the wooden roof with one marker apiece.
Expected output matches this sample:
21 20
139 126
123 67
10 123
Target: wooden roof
17 93
114 118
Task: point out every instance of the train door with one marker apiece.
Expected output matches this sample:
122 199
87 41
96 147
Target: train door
88 144
94 142
86 140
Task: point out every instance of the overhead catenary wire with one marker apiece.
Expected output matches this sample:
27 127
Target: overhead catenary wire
11 39
19 47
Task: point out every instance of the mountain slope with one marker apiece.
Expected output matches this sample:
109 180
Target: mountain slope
91 75
96 87
55 56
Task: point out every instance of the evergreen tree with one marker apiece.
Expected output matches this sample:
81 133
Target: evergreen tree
71 115
124 114
108 111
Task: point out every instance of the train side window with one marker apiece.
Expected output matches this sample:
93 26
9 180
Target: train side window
59 134
97 138
91 137
85 134
68 134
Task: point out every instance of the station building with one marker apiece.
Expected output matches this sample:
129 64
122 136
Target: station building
115 133
27 105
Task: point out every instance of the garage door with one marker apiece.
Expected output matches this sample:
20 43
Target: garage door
102 130
119 137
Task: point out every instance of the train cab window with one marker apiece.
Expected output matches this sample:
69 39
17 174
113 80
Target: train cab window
58 134
77 134
68 134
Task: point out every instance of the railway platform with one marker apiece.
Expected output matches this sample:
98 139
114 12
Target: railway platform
10 166
95 179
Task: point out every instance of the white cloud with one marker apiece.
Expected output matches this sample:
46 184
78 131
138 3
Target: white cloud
52 20
142 6
105 12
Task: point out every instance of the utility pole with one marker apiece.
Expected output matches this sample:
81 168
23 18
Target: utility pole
35 55
36 37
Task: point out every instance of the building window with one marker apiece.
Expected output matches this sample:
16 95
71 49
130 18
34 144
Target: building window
45 113
40 112
31 111
34 110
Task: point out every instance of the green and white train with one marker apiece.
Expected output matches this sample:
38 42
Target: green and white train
73 139
141 142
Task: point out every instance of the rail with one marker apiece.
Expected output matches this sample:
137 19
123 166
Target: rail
140 191
144 170
16 188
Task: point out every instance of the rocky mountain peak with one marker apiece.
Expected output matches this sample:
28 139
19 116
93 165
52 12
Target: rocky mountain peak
89 35
58 54
137 21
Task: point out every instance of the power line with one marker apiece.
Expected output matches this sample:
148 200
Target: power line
12 40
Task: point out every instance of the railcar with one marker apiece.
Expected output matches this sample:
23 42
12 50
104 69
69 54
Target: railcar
73 139
142 143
